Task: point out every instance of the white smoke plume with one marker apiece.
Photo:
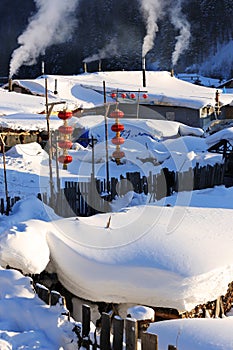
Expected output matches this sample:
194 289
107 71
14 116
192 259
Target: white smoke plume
52 24
151 10
180 22
109 50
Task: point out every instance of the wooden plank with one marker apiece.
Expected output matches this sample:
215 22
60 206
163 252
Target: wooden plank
86 319
42 292
149 341
2 206
54 297
118 331
105 332
131 333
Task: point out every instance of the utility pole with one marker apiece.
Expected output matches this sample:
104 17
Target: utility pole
49 108
49 145
107 106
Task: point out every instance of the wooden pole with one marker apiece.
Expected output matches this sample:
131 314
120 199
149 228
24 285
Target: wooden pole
131 332
106 138
138 103
105 332
149 341
49 144
4 167
118 332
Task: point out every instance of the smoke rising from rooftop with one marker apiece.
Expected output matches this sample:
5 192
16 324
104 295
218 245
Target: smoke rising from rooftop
180 22
151 10
109 50
50 25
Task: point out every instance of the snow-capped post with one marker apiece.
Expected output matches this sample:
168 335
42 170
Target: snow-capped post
65 142
117 140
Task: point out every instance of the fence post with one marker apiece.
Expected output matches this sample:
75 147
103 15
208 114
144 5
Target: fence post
131 332
149 341
42 292
105 332
86 319
2 206
118 331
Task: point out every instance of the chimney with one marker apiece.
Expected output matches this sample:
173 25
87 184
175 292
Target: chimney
144 71
99 65
172 72
10 84
85 67
55 87
42 68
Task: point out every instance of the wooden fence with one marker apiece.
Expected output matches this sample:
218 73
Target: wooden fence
7 204
114 333
88 198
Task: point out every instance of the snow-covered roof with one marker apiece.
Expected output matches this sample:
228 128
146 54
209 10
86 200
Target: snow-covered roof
87 89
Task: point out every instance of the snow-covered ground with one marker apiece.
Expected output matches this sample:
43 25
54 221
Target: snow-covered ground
150 253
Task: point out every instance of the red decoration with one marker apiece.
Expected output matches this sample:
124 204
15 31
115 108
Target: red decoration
65 159
65 129
116 114
118 154
117 127
145 96
118 140
132 96
65 144
64 115
113 95
123 95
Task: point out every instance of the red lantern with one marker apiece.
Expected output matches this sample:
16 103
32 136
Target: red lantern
64 115
118 140
123 95
145 96
118 154
65 159
113 95
116 114
117 127
65 144
65 129
133 96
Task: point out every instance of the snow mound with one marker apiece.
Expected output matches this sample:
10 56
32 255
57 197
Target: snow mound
26 150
